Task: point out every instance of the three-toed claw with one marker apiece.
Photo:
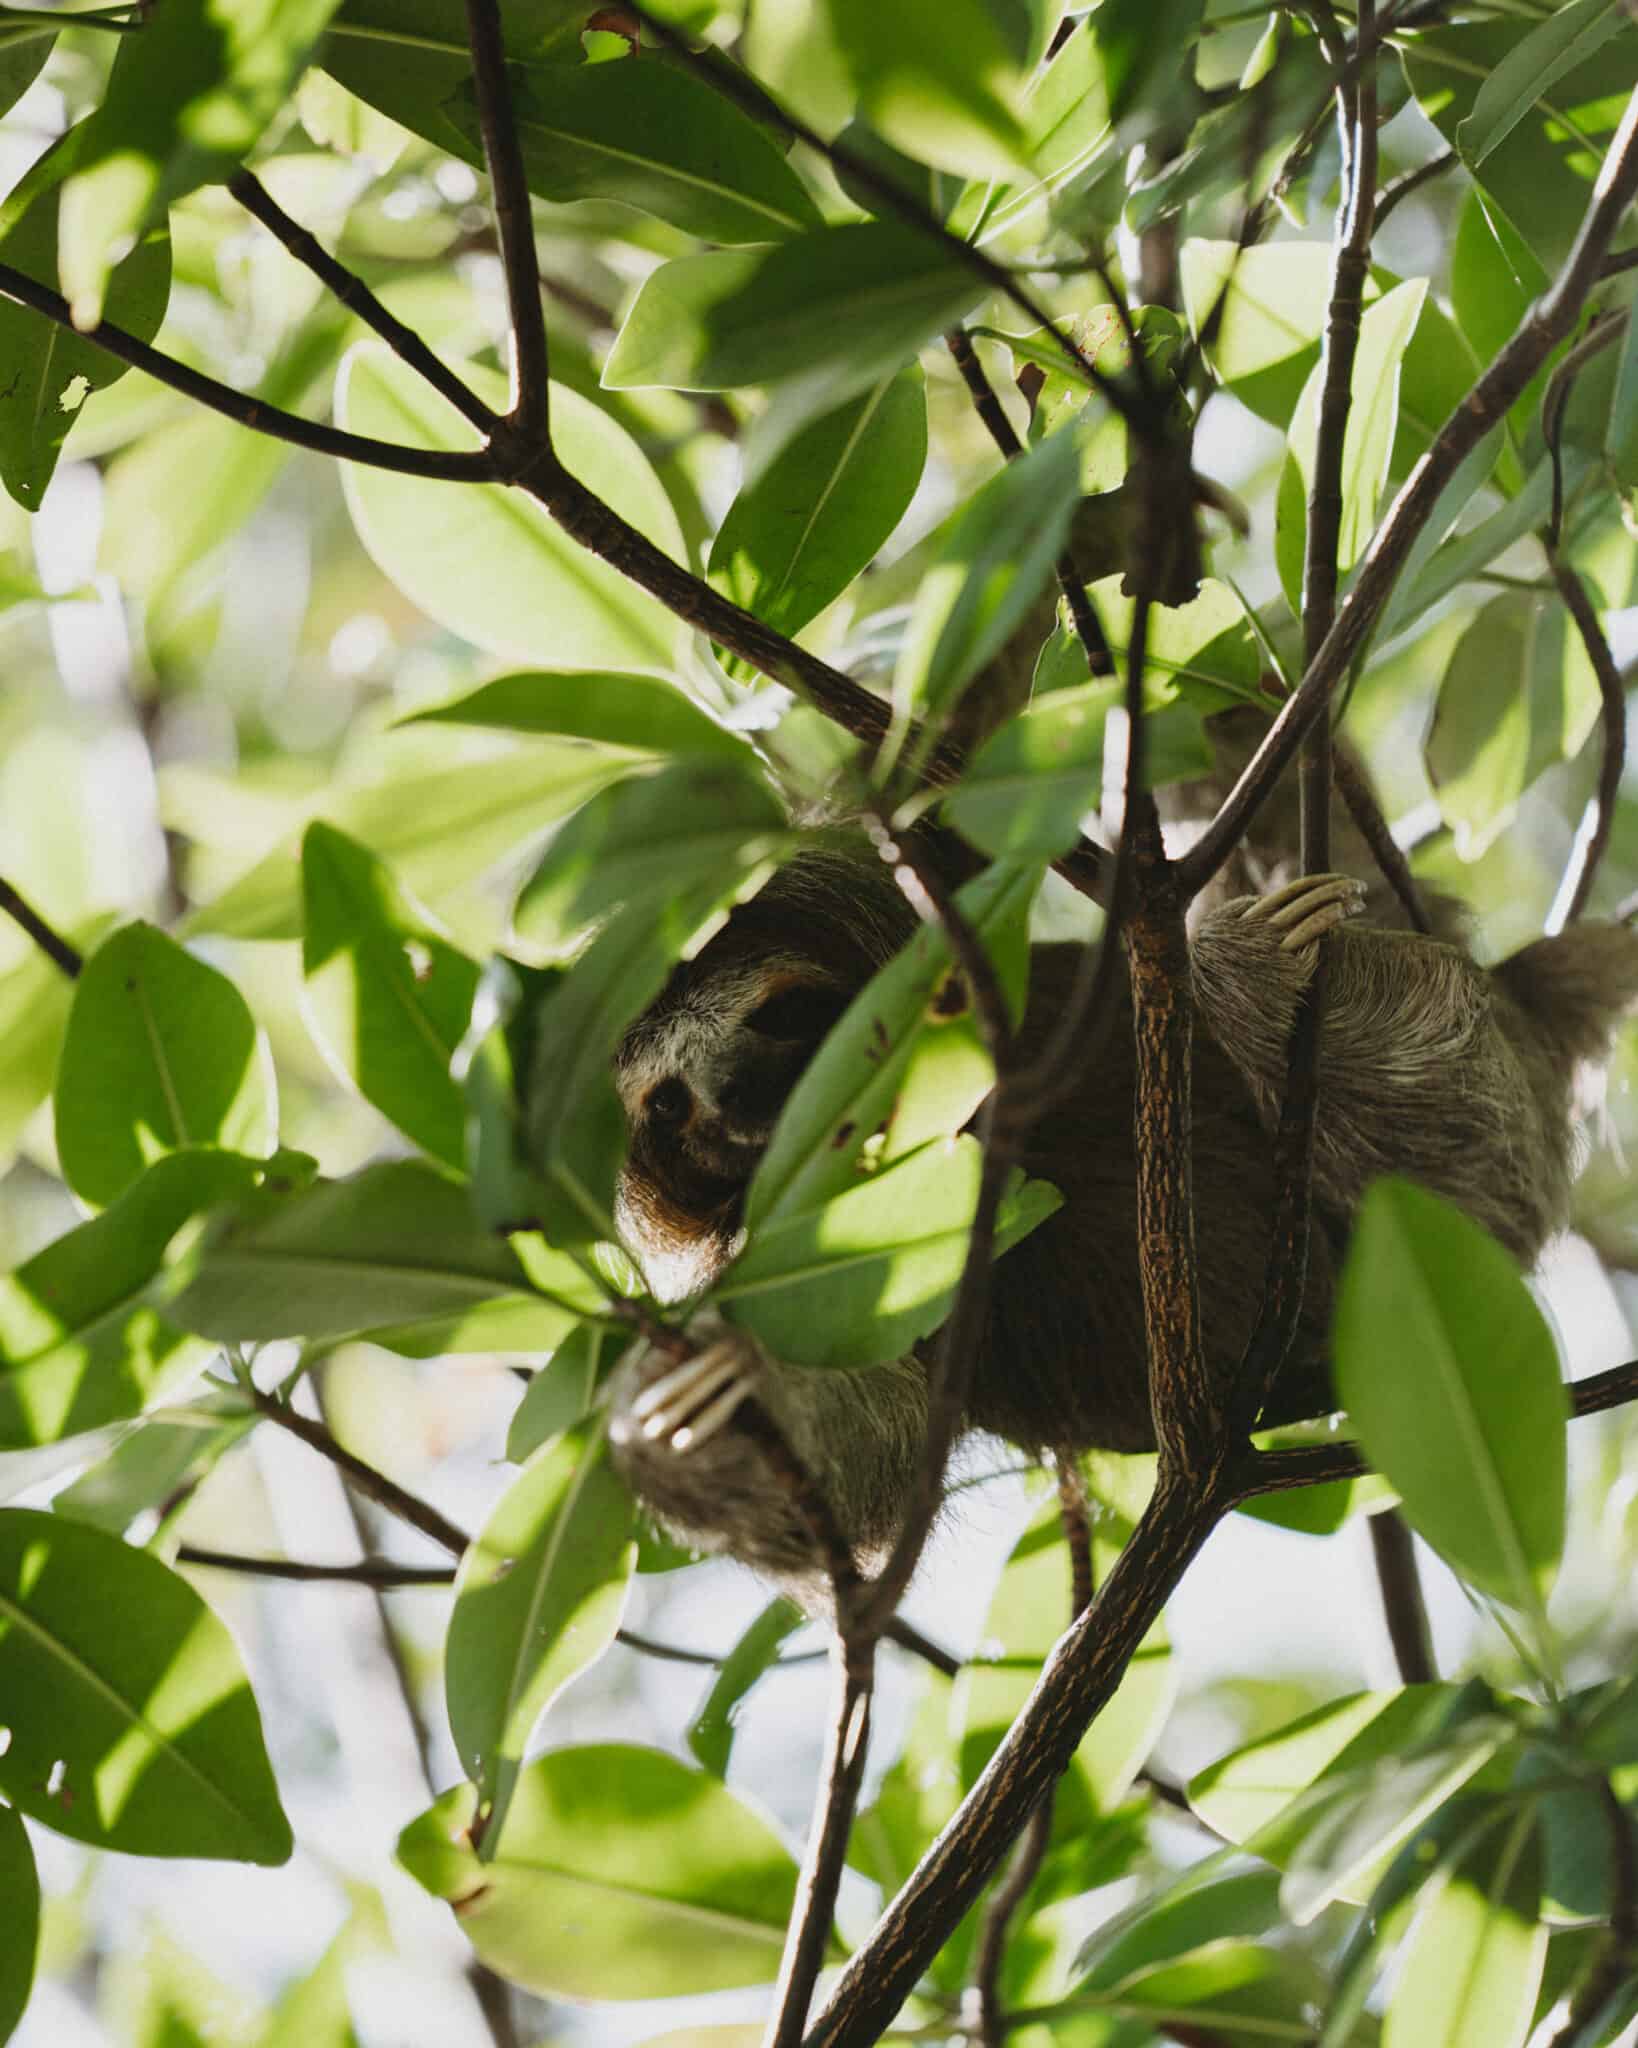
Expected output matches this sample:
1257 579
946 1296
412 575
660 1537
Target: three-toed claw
1305 910
685 1407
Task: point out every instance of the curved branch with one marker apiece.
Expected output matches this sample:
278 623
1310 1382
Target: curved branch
514 224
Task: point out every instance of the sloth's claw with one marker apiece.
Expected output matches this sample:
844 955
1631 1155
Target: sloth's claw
683 1408
1305 910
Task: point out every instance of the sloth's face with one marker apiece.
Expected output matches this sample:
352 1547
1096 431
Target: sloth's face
703 1076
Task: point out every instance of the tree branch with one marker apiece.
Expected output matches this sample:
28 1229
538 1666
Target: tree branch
1547 323
1593 839
56 948
374 1485
1403 1608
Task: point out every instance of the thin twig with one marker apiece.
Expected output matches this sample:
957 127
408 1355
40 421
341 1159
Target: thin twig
1403 1607
1546 324
1605 330
52 943
514 224
1400 189
352 292
473 465
374 1485
1594 838
1366 812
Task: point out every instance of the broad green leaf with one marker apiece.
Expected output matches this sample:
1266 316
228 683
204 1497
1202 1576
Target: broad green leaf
692 824
1068 139
1385 331
1029 1611
1205 648
562 1390
903 1024
620 1873
20 1888
1539 174
1245 1792
484 559
858 1280
34 1002
81 1341
996 556
941 78
1201 1907
1141 43
646 714
657 139
1531 69
387 996
1031 784
187 99
52 370
538 1598
797 536
161 1053
395 1250
438 830
168 1451
1519 696
1270 303
22 58
711 1732
1475 1954
132 1724
1450 1376
840 309
1238 1993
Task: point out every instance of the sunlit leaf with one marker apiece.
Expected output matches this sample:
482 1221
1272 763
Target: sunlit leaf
941 78
168 1451
646 714
1449 1373
20 1888
538 1598
138 1734
620 1873
161 1053
711 1732
1531 69
562 1390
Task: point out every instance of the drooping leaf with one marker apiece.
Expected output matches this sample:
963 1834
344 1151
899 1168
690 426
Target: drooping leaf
620 1873
143 1736
20 1888
387 995
941 78
562 1390
1531 69
797 536
858 1279
1202 1906
657 139
996 556
538 1598
161 1054
711 1732
188 98
1449 1373
52 370
82 1342
502 573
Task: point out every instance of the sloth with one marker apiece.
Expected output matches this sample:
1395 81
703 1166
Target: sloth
1459 1077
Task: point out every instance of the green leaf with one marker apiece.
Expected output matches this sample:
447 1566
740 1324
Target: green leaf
132 1724
538 1598
1385 332
657 139
996 556
1531 69
34 1003
711 1732
691 825
664 1882
1205 648
161 1054
1519 695
167 1452
1449 1373
387 996
901 1028
395 1251
796 536
1030 1609
1140 42
188 98
561 1392
22 59
438 830
81 1341
51 369
941 78
505 575
643 714
840 309
859 1279
1201 1907
1475 1955
20 1888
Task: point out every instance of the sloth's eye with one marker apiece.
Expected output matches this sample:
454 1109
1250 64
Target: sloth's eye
802 1011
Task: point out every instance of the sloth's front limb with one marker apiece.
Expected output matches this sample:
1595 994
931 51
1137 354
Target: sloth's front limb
859 1434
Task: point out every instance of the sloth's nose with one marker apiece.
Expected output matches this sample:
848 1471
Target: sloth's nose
670 1103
